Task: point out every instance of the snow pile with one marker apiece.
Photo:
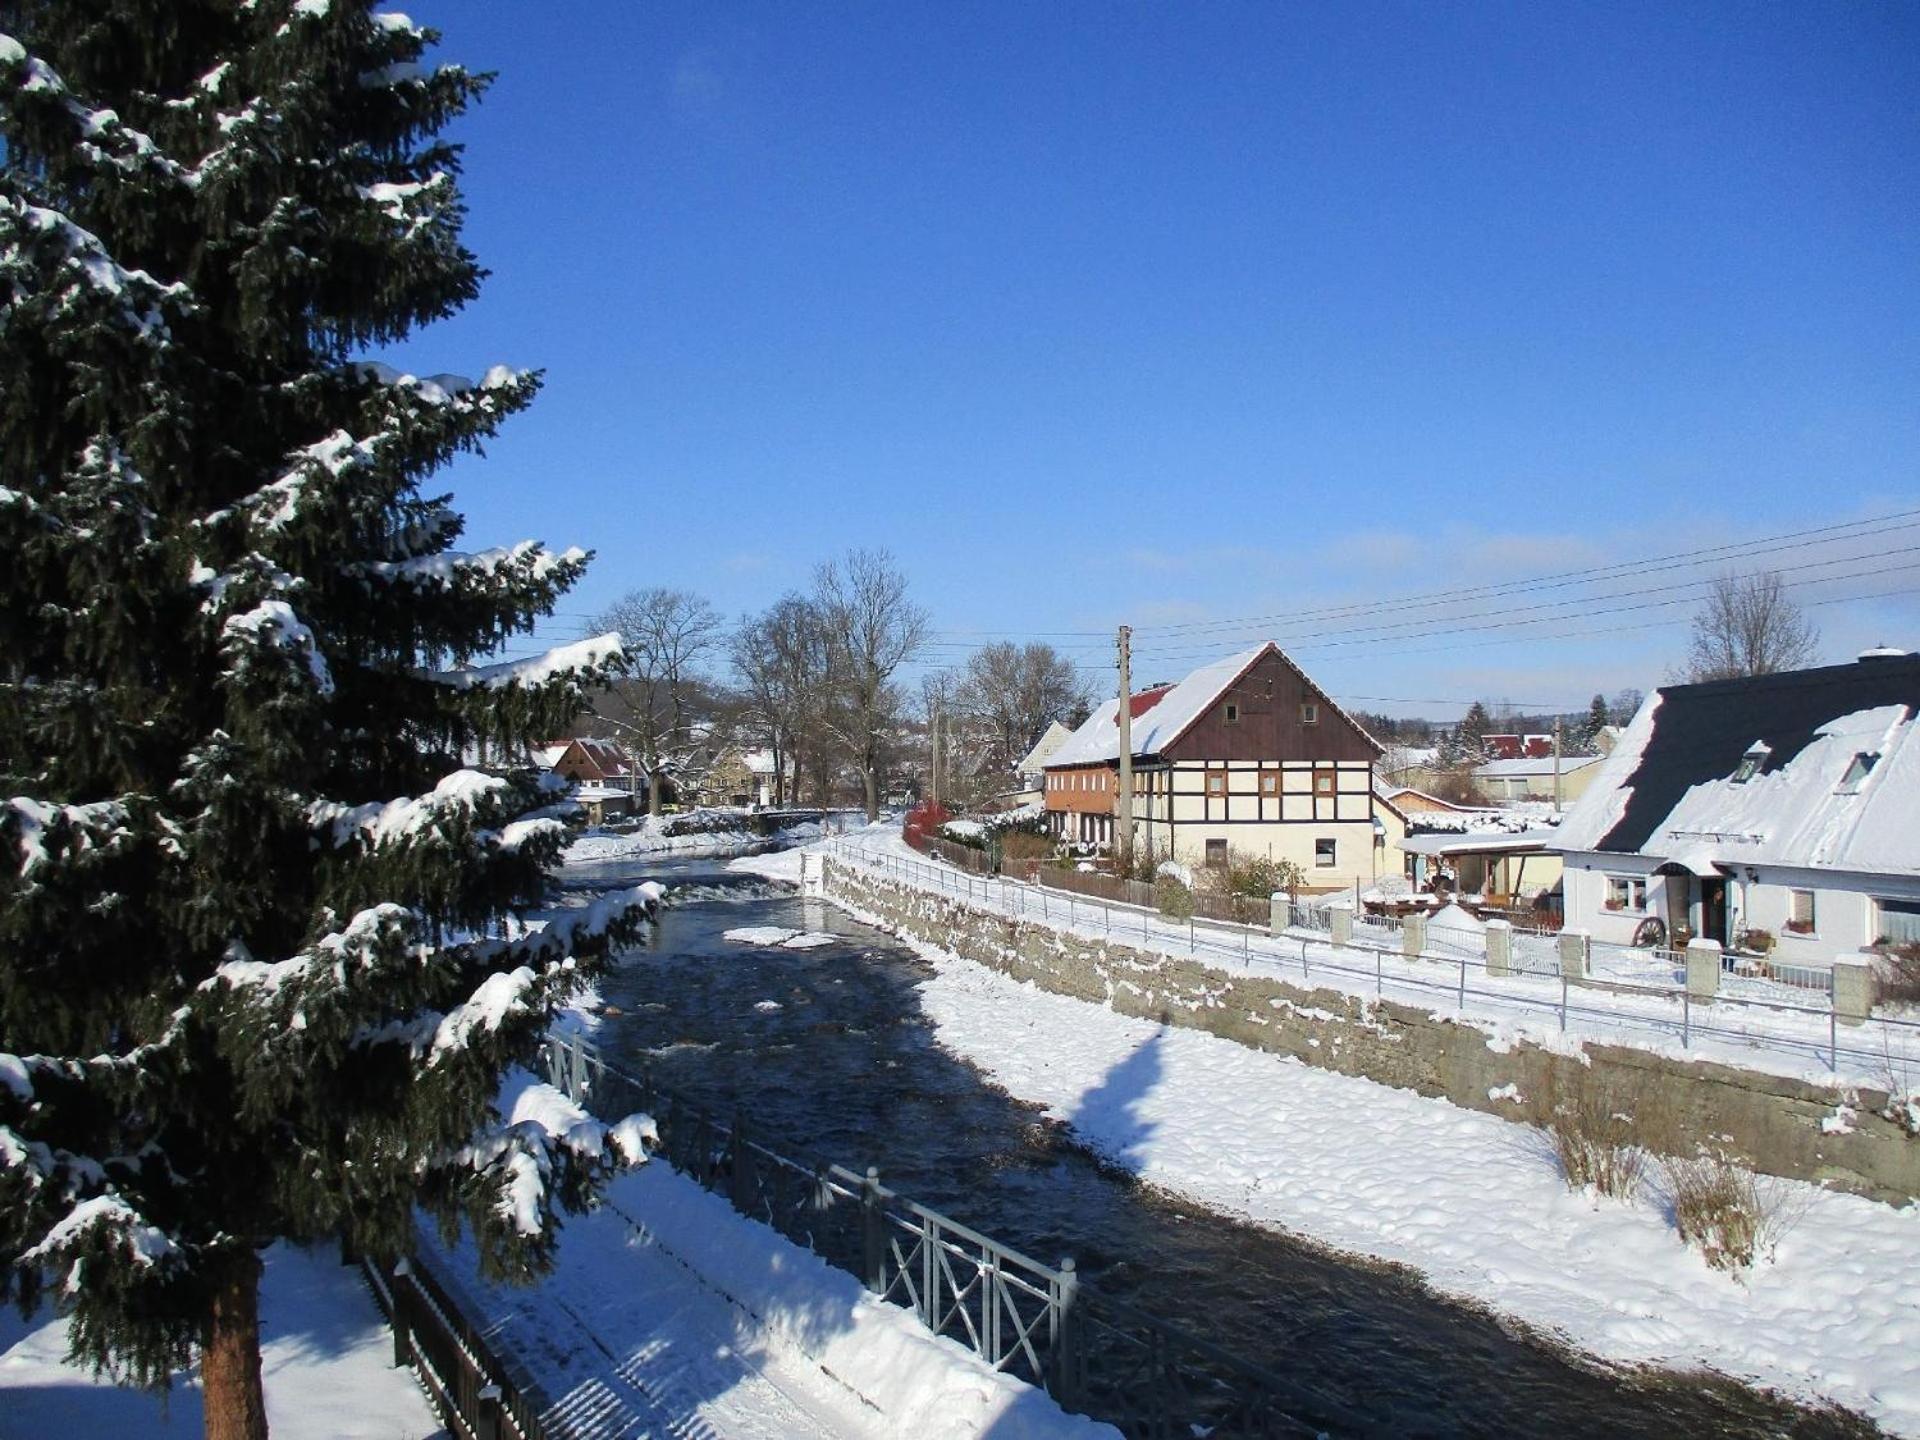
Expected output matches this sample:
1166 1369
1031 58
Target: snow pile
1174 870
777 937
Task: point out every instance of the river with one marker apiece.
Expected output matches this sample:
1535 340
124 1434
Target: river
828 1051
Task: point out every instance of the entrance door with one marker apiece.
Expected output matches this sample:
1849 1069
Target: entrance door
1713 910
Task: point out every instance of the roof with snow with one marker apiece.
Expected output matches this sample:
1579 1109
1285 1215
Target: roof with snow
1163 713
1812 768
1043 749
1533 765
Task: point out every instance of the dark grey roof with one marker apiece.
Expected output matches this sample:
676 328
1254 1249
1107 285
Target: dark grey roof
1701 732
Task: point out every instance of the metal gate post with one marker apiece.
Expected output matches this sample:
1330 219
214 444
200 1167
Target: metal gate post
873 1235
1686 1018
402 1331
486 1420
1064 1380
741 1187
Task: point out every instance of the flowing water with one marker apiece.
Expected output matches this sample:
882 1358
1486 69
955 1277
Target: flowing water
828 1052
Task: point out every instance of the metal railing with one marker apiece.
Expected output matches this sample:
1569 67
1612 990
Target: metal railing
468 1384
1884 1050
1090 1351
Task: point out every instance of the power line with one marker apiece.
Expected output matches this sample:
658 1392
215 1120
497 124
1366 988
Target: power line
1763 545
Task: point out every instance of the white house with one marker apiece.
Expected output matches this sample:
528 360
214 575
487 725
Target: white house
1787 803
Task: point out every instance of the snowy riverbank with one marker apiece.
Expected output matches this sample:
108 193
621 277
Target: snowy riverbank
721 833
1473 1203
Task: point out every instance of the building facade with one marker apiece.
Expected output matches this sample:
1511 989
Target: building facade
1246 756
1773 813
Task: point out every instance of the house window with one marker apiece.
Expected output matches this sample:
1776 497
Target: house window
1323 782
1324 853
1216 782
1309 713
1800 912
1861 767
1751 762
1233 714
1216 854
1269 782
1896 922
1626 892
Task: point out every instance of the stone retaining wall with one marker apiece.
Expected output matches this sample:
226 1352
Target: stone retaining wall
1773 1121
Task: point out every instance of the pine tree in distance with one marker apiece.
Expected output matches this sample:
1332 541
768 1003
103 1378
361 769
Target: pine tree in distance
261 968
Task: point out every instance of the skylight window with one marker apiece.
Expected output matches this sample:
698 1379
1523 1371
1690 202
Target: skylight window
1751 762
1858 770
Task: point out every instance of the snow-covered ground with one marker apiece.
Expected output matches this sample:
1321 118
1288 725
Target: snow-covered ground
669 1314
1473 1203
327 1364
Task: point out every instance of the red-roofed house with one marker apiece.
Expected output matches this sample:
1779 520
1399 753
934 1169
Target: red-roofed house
1246 755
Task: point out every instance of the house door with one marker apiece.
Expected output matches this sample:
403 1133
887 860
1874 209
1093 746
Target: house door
1713 910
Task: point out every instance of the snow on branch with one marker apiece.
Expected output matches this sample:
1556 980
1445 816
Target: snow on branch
583 659
538 1130
105 141
458 796
273 624
42 831
441 389
527 561
412 204
89 268
104 1223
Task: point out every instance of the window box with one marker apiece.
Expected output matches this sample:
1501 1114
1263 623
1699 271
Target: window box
1798 927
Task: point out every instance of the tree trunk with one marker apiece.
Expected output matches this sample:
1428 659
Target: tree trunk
236 1407
871 781
653 785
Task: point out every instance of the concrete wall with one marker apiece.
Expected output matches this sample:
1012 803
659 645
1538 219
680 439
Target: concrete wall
1773 1121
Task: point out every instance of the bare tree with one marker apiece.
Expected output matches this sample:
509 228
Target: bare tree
1749 625
1017 691
873 629
784 661
666 634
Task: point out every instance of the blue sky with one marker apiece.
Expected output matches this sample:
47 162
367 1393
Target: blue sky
1179 314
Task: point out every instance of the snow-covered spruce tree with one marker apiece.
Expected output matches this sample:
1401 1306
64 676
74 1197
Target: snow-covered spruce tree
260 972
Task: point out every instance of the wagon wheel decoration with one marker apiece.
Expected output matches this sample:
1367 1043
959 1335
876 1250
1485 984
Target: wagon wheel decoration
1651 933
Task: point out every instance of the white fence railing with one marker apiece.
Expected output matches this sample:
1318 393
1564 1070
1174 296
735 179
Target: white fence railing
1638 998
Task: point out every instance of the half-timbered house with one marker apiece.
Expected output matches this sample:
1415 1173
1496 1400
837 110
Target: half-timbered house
1246 755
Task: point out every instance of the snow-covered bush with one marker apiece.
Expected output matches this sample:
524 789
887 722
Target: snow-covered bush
1594 1140
1719 1208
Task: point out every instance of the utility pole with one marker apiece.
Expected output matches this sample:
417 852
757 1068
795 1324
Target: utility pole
1556 766
1123 804
934 783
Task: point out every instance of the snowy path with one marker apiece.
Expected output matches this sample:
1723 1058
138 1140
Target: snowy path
327 1363
669 1315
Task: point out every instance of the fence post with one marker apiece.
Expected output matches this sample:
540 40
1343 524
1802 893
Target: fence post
1703 968
741 1188
486 1421
1573 955
1852 999
1686 1018
1413 936
1378 955
1462 1002
402 1331
1340 923
873 1234
1064 1383
1499 947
